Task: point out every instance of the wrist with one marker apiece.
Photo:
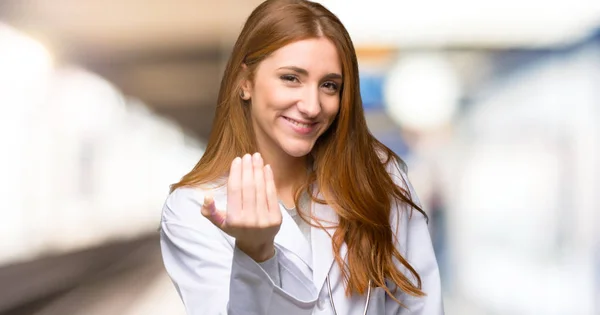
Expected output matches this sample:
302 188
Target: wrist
258 253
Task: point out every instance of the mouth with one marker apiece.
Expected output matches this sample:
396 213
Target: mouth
302 128
300 124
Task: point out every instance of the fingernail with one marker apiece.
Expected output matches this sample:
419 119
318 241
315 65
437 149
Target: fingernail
247 157
256 156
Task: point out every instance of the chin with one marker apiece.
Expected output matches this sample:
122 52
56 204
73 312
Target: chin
297 148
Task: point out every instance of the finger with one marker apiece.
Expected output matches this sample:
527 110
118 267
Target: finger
248 190
259 185
271 192
234 189
209 210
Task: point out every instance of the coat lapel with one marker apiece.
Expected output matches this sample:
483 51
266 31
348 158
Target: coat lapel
323 256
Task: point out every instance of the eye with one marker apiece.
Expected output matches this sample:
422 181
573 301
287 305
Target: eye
289 78
330 86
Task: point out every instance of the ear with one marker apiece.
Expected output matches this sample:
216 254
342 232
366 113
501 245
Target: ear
245 84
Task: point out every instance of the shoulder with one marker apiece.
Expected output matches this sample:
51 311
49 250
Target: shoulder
396 168
398 172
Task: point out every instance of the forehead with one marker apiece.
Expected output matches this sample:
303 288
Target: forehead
316 54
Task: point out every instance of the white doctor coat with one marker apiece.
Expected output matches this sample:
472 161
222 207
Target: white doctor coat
213 277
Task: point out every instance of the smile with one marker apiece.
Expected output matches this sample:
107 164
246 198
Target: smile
301 128
299 124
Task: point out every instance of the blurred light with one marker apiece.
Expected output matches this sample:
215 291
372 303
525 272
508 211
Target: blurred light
22 59
509 209
492 197
83 164
467 22
25 66
87 101
524 189
422 92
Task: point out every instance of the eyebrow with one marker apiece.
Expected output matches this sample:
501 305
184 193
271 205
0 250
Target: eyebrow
305 72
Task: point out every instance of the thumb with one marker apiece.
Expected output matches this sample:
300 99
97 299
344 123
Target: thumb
209 210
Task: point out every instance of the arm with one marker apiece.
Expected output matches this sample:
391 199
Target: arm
414 243
213 277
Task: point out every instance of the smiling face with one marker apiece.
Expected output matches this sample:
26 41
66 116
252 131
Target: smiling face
295 96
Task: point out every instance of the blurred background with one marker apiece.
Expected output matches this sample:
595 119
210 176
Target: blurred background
494 106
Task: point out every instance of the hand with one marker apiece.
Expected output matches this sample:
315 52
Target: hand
252 216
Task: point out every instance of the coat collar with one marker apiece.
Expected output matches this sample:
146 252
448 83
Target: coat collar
291 238
318 255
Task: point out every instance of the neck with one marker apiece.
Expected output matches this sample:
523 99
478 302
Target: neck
287 170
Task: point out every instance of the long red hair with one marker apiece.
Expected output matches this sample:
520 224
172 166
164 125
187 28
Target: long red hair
348 168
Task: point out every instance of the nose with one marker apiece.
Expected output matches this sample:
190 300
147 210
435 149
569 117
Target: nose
310 105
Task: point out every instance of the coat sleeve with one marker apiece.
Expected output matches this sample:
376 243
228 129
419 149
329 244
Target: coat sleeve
414 243
213 277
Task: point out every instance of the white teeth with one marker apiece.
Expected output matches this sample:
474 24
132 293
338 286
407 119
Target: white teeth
298 124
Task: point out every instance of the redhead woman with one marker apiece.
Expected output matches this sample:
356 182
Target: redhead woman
295 208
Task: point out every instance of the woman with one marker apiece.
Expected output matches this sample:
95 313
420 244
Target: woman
319 219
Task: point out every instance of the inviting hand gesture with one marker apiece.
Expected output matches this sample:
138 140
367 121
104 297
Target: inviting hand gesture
252 216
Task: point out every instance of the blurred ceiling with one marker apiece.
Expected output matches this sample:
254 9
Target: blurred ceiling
102 28
171 54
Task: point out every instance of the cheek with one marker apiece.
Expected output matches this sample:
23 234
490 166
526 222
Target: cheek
283 98
331 108
272 95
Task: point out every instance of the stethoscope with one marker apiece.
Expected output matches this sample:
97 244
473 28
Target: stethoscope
333 304
329 282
